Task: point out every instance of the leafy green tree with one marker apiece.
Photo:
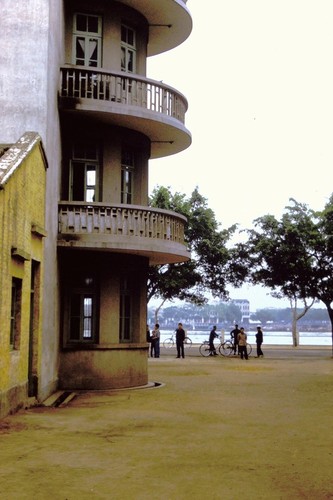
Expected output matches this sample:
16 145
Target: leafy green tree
209 267
263 315
294 256
204 313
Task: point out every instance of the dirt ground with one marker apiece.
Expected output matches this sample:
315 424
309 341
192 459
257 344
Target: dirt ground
217 428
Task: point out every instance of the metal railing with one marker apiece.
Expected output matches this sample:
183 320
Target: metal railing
122 88
127 220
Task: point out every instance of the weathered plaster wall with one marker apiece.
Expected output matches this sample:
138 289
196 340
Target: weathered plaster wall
31 51
22 208
104 369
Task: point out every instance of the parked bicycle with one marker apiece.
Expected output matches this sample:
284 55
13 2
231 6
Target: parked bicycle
170 342
227 348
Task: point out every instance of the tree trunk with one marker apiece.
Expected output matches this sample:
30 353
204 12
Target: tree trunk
157 310
294 331
296 317
330 313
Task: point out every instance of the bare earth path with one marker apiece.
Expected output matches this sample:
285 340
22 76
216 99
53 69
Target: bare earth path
217 429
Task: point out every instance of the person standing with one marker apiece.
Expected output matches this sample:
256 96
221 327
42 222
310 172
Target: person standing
242 340
180 337
156 340
259 341
212 336
234 336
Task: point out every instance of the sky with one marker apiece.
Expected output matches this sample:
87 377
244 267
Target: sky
258 76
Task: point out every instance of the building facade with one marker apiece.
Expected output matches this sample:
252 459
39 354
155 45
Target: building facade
244 306
22 225
77 76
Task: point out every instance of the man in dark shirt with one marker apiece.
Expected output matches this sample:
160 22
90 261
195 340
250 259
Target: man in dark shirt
212 336
259 341
234 336
180 337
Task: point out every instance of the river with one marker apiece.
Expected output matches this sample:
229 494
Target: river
270 338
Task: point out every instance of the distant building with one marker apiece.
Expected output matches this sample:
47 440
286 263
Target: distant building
244 306
76 75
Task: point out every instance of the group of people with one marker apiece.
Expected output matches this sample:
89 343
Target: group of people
154 339
239 338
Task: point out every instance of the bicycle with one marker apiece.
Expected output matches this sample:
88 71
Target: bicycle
204 348
170 342
227 348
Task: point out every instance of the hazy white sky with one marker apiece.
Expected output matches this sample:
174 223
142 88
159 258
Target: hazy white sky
258 76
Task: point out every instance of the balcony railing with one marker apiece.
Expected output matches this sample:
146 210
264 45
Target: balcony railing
122 88
120 220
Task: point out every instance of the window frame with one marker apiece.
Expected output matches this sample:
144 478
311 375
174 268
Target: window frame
127 49
125 311
127 170
82 338
15 314
82 287
88 162
87 36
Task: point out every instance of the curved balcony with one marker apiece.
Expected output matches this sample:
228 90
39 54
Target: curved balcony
170 22
131 229
130 101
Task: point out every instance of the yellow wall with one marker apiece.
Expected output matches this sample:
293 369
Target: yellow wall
104 368
22 207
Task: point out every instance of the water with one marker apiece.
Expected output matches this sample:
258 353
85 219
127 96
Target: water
270 338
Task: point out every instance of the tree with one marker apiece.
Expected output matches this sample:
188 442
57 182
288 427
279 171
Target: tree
294 256
207 271
296 316
263 315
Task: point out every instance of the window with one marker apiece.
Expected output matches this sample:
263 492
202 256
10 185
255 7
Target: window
82 313
125 312
15 314
81 317
128 50
127 174
84 173
87 40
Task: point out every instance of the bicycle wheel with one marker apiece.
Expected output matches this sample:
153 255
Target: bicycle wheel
187 342
248 349
168 343
217 344
227 348
204 349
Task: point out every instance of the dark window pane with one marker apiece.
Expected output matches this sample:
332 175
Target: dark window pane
123 34
130 37
15 323
78 181
127 308
75 305
80 51
74 332
92 24
74 329
127 329
81 22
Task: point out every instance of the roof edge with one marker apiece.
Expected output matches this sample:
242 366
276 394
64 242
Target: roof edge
17 152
